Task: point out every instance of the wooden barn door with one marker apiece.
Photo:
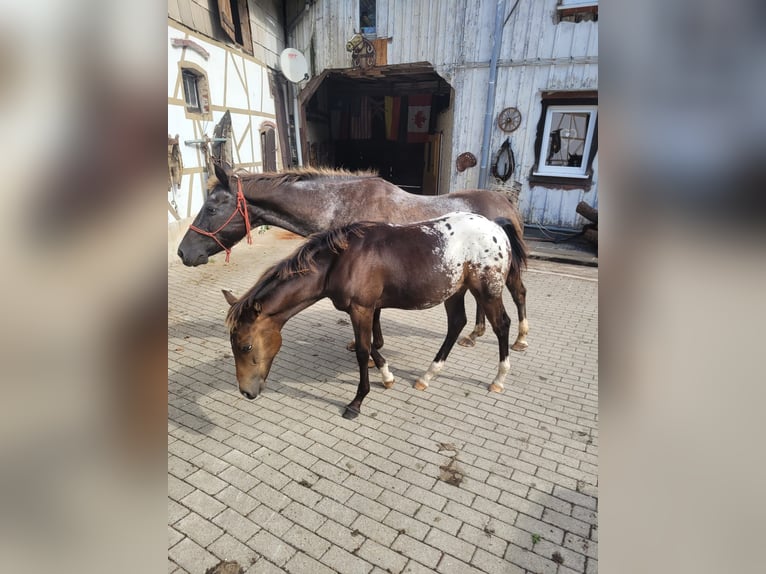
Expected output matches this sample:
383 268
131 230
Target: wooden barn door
269 148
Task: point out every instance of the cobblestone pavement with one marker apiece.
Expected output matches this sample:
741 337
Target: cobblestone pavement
453 479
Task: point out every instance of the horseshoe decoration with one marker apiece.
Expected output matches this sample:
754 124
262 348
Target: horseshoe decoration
505 162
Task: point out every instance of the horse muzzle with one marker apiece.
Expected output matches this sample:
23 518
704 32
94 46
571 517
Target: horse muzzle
193 261
254 389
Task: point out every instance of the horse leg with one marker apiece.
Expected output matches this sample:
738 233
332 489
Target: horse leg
478 329
380 362
456 320
501 325
361 319
519 294
377 337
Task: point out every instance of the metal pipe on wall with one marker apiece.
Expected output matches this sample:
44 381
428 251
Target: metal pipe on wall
491 88
296 124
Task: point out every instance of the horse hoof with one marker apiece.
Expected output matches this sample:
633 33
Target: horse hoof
351 346
495 388
350 413
420 385
520 346
466 342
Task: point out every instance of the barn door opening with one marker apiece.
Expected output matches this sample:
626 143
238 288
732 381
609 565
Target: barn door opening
394 120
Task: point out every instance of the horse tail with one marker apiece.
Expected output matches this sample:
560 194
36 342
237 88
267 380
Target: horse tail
519 251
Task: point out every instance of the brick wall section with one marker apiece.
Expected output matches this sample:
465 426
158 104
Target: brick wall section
284 483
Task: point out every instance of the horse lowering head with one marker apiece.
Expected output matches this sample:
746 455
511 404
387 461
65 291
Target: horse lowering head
217 226
255 341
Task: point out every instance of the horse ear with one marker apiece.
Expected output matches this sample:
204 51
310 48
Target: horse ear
222 172
229 296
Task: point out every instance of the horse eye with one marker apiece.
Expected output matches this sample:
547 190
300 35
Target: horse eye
212 210
247 348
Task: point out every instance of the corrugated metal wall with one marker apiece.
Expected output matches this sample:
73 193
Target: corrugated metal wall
455 36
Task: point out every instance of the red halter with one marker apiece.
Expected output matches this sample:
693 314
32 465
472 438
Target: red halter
241 208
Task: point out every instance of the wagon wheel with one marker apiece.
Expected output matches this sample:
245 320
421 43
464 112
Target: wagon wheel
509 119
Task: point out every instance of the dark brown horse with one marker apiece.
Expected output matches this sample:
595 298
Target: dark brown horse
310 201
367 266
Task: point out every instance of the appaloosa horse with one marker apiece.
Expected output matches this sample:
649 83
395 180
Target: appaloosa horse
367 266
307 201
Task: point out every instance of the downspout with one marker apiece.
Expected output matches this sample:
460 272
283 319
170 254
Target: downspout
296 124
286 29
491 88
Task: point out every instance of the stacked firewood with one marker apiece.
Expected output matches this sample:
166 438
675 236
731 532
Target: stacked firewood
589 230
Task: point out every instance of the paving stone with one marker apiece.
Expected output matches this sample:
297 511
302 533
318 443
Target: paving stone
236 524
270 520
303 515
226 547
492 564
345 563
306 541
301 563
341 536
206 482
423 553
202 531
271 547
177 488
191 556
567 523
450 544
203 504
382 556
375 530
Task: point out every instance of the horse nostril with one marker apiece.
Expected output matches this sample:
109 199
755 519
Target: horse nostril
180 253
247 395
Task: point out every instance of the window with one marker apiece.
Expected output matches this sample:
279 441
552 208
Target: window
367 17
566 139
196 92
577 10
235 21
191 93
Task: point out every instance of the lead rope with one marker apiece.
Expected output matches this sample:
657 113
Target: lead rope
241 208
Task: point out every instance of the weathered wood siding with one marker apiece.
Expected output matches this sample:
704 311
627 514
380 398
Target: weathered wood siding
455 36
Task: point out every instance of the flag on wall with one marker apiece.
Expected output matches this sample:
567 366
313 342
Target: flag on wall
418 118
393 106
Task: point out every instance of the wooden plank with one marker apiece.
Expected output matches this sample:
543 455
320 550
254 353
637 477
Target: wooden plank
381 51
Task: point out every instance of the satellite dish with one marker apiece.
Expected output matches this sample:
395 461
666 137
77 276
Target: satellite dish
294 65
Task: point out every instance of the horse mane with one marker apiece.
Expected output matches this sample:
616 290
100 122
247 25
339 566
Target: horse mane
277 178
301 262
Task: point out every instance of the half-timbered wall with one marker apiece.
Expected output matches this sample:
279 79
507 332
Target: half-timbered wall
236 81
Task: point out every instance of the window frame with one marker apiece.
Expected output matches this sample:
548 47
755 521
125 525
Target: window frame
374 32
565 176
568 4
191 76
576 11
563 170
203 110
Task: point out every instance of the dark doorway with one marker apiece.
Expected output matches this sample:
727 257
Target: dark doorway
390 120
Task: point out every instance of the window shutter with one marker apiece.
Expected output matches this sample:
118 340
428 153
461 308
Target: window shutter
244 26
227 20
